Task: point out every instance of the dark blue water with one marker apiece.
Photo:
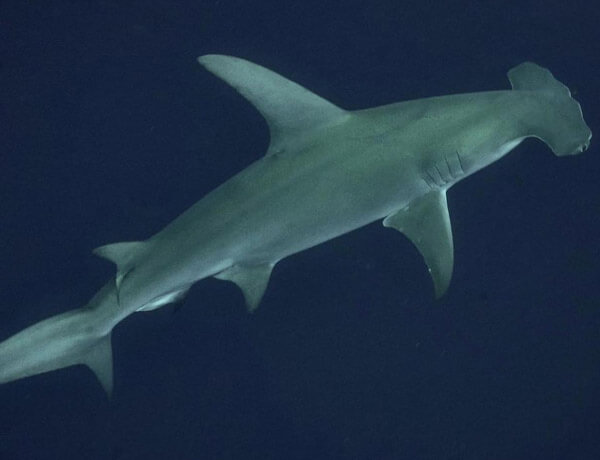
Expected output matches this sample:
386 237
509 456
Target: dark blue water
109 129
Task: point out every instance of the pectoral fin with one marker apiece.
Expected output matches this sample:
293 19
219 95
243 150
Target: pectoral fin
251 279
426 222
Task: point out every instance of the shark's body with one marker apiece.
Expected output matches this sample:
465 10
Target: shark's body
327 172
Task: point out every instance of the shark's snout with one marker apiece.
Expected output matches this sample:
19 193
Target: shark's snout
583 146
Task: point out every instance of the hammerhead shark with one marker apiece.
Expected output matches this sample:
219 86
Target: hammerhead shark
327 171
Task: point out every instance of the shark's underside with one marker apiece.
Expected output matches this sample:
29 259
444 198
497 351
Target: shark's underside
327 171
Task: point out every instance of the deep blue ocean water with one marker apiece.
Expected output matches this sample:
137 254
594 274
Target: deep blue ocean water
109 129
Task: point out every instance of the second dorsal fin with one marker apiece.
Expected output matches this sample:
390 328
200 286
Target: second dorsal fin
122 254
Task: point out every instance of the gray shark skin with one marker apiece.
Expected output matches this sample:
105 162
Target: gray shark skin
327 171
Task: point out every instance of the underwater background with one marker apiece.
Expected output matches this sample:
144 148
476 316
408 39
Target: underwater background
109 129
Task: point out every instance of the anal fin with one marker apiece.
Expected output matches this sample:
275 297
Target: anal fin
100 361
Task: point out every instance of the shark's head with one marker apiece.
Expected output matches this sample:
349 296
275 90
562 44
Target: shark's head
563 127
558 117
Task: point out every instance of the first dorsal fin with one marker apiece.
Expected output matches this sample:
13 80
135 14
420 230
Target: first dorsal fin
122 254
289 109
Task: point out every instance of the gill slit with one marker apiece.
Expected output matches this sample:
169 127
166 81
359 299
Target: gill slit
462 169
